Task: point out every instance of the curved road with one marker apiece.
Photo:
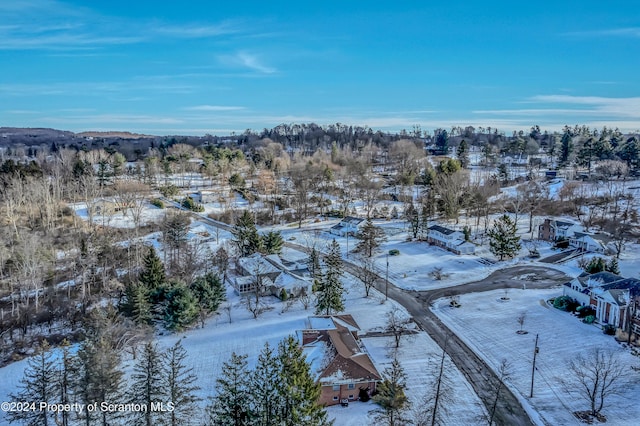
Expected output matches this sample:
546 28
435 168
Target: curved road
482 378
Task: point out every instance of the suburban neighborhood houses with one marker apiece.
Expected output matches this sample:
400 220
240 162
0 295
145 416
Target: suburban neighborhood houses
429 276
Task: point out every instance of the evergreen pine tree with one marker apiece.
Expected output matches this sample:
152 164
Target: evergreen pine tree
179 382
153 275
246 238
147 387
99 379
37 385
299 392
503 240
272 242
371 237
313 264
330 292
210 293
137 303
67 372
391 398
463 154
230 407
613 266
266 401
221 260
181 307
566 147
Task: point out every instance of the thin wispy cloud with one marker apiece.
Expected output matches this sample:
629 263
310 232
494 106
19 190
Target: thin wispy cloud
247 60
213 108
633 32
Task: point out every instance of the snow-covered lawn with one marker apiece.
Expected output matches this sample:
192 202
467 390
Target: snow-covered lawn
489 326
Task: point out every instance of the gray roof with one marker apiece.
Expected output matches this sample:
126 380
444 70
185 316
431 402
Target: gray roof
441 229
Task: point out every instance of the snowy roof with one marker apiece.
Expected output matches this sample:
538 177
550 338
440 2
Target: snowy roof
257 264
343 360
441 229
352 220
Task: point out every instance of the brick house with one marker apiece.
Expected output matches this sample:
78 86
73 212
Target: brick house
338 359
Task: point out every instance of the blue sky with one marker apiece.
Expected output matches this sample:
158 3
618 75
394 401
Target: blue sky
196 67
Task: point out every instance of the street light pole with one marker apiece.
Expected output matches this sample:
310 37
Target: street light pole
386 280
533 368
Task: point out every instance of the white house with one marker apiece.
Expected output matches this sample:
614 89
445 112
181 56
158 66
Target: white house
449 239
586 242
270 275
349 225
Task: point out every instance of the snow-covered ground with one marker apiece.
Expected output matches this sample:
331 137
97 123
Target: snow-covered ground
488 325
210 346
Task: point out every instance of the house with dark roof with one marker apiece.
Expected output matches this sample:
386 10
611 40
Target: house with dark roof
338 359
449 239
609 294
556 230
348 225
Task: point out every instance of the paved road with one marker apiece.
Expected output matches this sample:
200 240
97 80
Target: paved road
482 378
484 381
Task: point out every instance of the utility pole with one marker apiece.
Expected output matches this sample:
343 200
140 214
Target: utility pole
533 368
386 280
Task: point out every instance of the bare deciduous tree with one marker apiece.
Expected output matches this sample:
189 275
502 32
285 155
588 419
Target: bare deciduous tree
397 325
596 376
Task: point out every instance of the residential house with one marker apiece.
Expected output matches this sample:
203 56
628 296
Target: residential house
338 359
586 242
556 230
449 239
270 275
609 294
349 225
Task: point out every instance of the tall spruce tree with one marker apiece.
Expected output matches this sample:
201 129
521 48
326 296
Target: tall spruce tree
181 308
313 263
210 293
463 154
272 242
330 292
231 406
137 303
152 276
391 398
503 240
371 237
147 387
99 379
179 382
266 401
247 239
221 261
298 390
67 372
37 385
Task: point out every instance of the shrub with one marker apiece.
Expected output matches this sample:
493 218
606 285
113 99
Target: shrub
188 203
394 252
589 319
283 295
169 191
584 311
158 203
565 303
609 329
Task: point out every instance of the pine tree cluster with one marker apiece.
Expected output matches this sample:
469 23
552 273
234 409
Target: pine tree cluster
280 390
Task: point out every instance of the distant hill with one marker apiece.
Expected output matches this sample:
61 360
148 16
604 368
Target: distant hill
120 135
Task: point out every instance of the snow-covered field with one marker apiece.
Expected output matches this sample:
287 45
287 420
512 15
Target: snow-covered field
489 326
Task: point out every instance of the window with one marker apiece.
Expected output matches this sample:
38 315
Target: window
352 386
336 387
350 396
335 398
